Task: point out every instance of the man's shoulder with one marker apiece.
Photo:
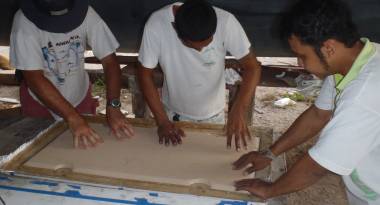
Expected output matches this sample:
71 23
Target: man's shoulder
21 24
222 15
159 17
92 17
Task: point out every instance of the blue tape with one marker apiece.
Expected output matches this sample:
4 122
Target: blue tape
5 179
74 186
153 194
232 203
44 183
77 195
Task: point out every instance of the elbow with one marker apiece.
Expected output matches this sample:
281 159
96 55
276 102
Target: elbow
323 116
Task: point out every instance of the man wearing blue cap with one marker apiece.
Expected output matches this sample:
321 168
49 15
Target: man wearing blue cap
48 42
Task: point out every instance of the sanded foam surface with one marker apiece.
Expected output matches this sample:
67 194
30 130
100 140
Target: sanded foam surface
202 158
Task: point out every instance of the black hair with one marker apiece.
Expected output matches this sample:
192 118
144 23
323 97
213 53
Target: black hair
315 21
195 20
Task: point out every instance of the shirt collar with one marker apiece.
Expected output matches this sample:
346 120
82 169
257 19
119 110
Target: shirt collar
367 52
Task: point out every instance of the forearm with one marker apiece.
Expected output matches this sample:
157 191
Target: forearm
49 95
303 174
150 92
306 126
112 73
250 79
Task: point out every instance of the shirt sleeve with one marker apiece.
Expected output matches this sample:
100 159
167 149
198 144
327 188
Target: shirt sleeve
150 46
349 137
100 37
25 50
236 40
325 100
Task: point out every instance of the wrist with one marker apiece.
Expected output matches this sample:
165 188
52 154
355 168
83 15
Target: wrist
114 103
269 154
163 122
74 119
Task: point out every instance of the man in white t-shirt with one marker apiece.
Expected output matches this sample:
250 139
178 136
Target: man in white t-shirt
190 42
48 42
346 114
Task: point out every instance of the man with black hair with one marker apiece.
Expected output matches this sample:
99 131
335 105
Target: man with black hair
48 42
346 114
190 42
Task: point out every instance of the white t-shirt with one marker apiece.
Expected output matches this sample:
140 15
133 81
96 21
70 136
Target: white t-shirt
194 84
60 55
351 140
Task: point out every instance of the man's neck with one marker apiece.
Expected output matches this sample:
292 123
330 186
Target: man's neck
351 54
175 9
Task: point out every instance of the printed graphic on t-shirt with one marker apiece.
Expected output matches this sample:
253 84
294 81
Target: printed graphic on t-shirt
63 58
209 56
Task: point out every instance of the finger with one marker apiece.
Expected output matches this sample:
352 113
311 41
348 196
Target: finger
76 142
179 140
243 183
126 133
117 134
229 140
128 130
229 134
160 139
237 142
244 141
86 144
249 170
167 141
242 188
177 137
181 133
91 141
241 162
96 137
81 145
173 139
249 134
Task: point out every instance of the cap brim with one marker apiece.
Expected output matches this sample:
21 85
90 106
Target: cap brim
56 24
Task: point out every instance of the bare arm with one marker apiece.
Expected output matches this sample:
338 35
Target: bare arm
167 131
112 73
306 126
149 90
303 174
236 125
116 120
50 96
84 136
251 69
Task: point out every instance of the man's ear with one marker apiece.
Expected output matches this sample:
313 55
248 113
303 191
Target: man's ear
329 48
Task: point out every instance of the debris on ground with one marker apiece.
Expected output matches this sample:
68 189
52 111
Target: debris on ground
284 102
309 85
232 76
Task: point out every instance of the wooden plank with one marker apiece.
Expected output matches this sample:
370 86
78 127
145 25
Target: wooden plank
196 189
